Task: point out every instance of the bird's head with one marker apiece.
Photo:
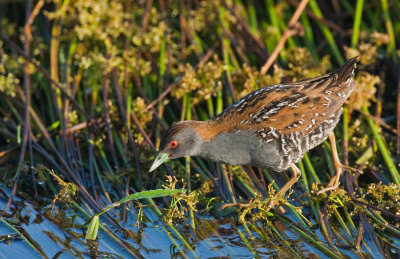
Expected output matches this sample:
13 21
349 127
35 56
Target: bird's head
181 139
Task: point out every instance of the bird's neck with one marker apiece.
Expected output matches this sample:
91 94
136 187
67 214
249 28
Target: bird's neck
207 130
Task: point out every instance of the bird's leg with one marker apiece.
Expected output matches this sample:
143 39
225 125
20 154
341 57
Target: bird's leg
334 182
296 175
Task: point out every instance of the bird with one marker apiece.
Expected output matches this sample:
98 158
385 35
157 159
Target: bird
272 127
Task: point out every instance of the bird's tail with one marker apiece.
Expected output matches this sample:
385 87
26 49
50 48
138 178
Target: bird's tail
347 70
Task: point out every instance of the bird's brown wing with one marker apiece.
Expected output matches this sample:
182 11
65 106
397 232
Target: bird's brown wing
294 107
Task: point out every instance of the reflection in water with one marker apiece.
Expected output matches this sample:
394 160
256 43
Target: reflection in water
29 230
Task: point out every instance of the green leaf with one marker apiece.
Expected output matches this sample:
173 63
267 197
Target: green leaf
19 134
367 155
150 194
93 228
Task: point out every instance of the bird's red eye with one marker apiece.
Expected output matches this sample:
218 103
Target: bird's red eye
173 144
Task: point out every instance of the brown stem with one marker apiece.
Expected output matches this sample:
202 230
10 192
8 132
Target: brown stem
243 31
378 121
324 229
359 236
261 188
118 94
322 20
286 34
398 111
108 120
27 83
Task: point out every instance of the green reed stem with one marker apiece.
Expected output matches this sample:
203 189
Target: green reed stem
220 102
347 6
240 181
184 105
384 225
306 185
246 241
188 109
328 156
270 179
283 239
310 168
350 222
252 17
275 22
382 149
309 36
228 184
105 160
120 148
37 249
316 243
162 61
327 33
274 19
389 27
341 222
100 179
210 107
178 235
345 131
303 177
357 23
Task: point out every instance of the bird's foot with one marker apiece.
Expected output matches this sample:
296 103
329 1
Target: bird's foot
334 182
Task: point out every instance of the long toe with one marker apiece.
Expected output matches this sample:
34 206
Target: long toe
329 187
334 182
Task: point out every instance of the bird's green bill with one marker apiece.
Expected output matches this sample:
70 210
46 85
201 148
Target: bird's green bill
160 159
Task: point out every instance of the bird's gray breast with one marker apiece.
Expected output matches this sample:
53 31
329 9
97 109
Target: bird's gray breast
241 148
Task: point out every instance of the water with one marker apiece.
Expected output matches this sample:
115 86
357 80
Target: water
59 233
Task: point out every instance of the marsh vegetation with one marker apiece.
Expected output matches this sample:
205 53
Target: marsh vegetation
87 88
